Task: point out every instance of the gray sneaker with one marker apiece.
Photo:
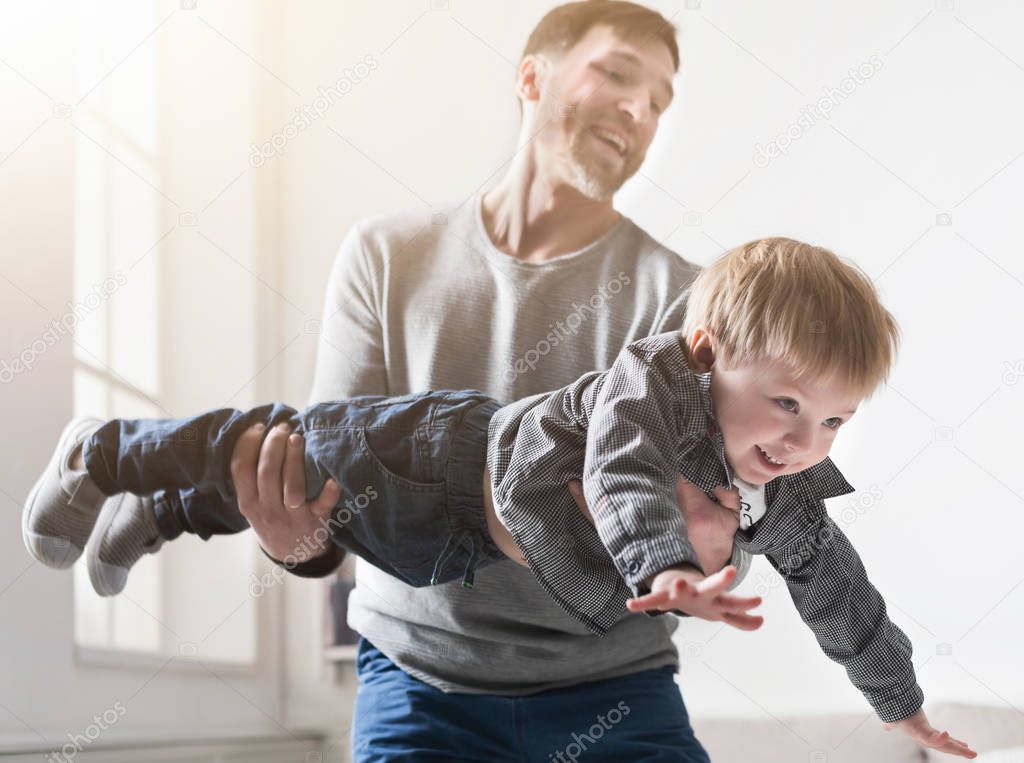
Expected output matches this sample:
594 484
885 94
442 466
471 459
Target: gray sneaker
125 531
62 507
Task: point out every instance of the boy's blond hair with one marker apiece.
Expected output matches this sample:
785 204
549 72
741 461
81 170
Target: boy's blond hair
780 300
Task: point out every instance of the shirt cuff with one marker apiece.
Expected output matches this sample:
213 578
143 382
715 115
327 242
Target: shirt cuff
896 708
646 558
318 567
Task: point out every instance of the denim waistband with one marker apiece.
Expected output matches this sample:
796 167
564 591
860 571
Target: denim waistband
467 456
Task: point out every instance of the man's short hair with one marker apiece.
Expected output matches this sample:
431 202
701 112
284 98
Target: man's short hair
780 300
566 25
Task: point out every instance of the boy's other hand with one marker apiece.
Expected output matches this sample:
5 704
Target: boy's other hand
686 589
918 728
266 471
710 526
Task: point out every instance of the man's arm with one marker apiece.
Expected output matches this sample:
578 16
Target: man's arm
350 361
350 351
832 593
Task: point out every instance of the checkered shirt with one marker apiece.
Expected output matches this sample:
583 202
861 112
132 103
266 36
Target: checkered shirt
627 433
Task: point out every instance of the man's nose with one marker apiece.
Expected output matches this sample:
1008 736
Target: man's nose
638 107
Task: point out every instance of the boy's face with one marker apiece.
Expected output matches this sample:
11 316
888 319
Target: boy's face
762 410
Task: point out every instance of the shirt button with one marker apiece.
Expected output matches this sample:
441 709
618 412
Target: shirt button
634 567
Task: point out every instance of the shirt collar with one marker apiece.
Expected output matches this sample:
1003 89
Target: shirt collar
704 386
816 483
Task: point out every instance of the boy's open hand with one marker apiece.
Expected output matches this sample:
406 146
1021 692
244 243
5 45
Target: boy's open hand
918 728
686 589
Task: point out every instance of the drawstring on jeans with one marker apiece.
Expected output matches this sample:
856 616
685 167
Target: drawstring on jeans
454 542
470 571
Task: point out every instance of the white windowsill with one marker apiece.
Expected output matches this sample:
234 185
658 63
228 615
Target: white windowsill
128 660
29 744
345 653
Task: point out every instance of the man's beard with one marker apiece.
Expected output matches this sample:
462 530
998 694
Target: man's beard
589 174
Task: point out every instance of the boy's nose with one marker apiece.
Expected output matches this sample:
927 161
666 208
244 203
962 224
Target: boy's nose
799 442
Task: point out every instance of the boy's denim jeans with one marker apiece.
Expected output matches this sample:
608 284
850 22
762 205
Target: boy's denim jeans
410 470
636 717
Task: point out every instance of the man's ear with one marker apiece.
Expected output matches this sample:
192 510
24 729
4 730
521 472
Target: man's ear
702 351
530 80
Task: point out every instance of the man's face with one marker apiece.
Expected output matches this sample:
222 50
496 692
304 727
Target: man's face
601 103
762 410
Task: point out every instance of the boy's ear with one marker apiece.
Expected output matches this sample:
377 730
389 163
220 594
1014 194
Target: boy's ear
702 351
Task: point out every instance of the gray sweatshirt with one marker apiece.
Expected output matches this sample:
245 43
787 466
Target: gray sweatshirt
423 300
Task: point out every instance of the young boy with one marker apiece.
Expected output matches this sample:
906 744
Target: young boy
781 342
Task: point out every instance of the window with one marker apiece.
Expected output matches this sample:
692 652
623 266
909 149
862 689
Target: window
192 600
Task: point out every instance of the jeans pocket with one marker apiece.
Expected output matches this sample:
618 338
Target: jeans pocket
411 523
396 457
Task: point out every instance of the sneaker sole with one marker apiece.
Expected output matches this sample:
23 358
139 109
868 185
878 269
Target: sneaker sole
106 579
33 540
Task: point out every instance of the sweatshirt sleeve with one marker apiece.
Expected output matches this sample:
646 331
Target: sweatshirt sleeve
349 355
350 346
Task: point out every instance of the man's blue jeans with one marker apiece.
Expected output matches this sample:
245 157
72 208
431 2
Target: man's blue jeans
638 718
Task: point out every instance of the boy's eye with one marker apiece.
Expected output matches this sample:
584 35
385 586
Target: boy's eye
788 404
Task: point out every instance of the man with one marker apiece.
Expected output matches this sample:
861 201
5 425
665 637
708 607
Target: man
513 292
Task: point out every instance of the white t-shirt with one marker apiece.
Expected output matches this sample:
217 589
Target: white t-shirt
752 504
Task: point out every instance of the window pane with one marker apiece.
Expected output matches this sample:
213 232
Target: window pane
190 592
207 589
136 612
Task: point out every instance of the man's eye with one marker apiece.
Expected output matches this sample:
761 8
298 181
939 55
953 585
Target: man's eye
614 76
838 422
